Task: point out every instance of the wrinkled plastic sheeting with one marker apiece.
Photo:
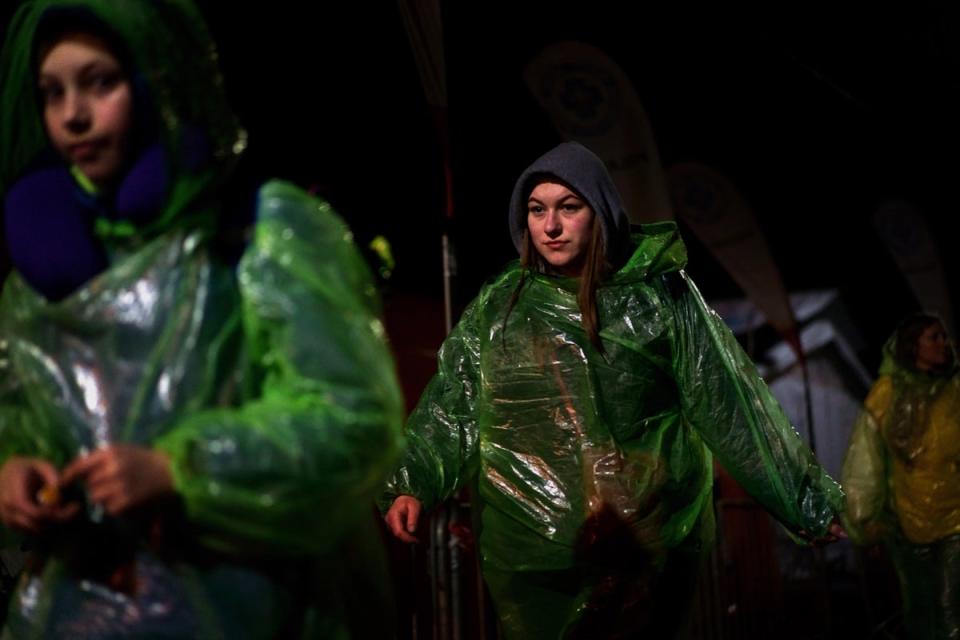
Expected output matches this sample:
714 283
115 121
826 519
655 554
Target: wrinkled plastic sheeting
900 478
901 466
270 386
572 449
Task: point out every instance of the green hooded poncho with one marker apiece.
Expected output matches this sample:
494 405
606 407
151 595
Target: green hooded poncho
269 383
594 469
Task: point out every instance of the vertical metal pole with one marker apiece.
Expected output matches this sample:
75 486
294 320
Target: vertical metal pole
447 288
454 546
441 585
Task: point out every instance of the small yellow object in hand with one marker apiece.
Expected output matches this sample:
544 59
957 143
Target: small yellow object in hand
49 495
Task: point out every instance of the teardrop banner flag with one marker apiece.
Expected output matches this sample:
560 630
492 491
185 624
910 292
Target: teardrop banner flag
590 100
906 235
713 209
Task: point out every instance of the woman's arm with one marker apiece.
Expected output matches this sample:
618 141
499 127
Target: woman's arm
730 406
300 463
864 473
442 431
27 473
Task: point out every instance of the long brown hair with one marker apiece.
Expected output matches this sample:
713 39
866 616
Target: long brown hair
908 340
596 268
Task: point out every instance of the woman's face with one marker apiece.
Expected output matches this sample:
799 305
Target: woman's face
933 348
87 106
560 225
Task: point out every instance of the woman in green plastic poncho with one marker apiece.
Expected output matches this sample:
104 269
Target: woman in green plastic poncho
192 429
582 393
901 474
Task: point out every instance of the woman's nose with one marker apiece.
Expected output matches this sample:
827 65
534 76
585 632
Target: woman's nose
552 225
76 113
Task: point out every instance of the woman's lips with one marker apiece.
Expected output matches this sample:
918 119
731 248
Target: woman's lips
84 150
554 244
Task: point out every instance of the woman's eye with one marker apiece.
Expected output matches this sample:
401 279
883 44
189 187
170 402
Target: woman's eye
535 210
572 207
50 93
104 82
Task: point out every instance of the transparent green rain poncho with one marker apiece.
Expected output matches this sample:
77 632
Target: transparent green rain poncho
268 383
901 479
592 471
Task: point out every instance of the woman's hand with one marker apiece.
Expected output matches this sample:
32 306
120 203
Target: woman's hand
121 477
402 517
834 532
23 484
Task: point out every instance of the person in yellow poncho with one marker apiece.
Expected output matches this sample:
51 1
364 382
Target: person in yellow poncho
902 469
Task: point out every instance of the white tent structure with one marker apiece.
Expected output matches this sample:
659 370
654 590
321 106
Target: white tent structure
838 379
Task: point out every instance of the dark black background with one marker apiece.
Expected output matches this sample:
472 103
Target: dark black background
816 112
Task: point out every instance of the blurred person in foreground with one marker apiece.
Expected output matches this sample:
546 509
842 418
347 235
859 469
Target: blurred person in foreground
197 401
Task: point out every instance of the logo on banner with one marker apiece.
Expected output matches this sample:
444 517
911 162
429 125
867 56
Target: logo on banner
899 227
699 198
583 98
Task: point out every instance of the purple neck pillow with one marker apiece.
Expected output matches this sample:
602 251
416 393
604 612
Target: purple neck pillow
49 221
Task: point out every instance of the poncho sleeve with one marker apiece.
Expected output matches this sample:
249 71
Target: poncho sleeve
442 431
299 463
723 397
864 473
